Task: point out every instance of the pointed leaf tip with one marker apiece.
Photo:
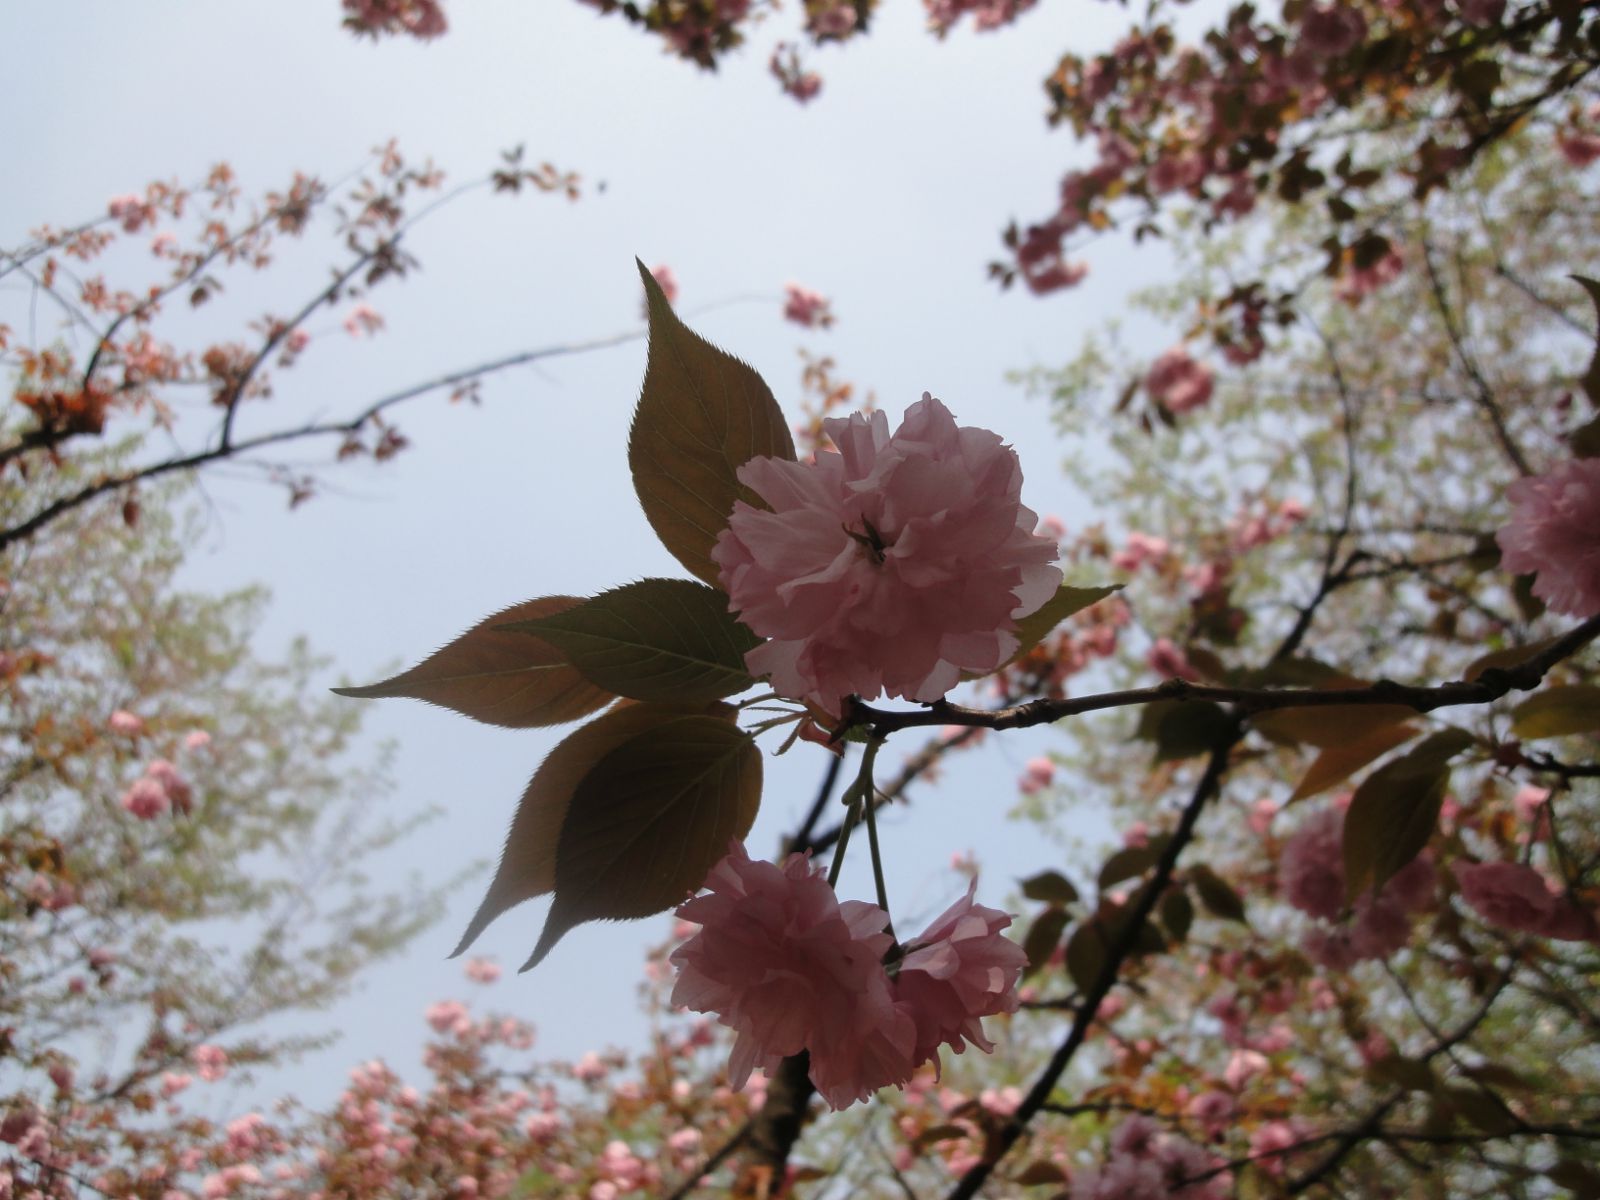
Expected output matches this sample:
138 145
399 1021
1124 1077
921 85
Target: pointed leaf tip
498 677
702 414
528 861
649 821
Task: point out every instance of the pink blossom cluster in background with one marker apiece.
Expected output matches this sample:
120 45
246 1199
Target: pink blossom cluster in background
788 967
1147 1163
1554 530
1167 659
1037 775
1515 897
421 19
1179 382
1311 878
1141 549
125 723
1262 523
895 565
160 789
1359 282
986 14
786 67
806 307
362 320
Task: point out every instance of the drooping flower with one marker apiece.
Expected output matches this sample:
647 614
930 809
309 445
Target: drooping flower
1555 531
892 566
781 962
959 970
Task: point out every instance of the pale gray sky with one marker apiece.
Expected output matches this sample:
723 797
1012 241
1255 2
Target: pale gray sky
887 194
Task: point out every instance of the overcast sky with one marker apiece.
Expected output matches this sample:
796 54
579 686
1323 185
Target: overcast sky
887 194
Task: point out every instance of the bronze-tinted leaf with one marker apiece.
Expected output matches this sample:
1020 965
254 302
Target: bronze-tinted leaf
702 414
528 861
1332 725
1558 711
1394 811
1510 656
1337 763
649 820
670 640
500 678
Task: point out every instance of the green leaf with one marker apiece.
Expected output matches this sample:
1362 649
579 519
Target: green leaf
1183 728
670 640
1049 886
1217 894
1591 377
1412 1074
1043 937
1131 861
497 677
1036 626
528 861
1394 811
1582 1180
1558 711
702 414
1086 954
1177 913
649 821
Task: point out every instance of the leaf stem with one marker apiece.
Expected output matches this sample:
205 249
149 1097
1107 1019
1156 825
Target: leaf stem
857 795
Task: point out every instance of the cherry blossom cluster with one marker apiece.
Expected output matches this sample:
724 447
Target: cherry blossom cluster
894 565
421 19
789 968
1554 531
1311 877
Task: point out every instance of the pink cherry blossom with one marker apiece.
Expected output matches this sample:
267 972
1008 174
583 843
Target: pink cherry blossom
986 14
781 962
145 798
895 565
126 723
1141 548
1555 531
1579 149
957 971
667 281
1168 659
806 307
196 739
1516 897
1036 775
210 1061
1311 867
1178 381
362 319
482 970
